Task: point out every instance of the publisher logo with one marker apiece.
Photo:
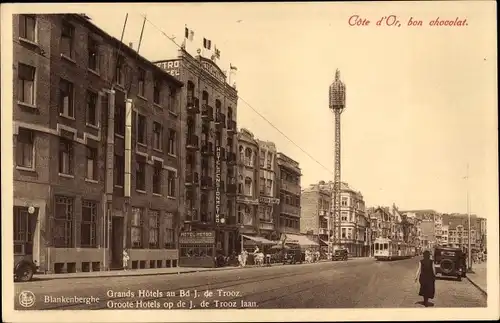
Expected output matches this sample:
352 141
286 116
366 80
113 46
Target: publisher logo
26 299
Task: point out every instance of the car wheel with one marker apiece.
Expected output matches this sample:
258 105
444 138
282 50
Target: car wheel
459 278
24 273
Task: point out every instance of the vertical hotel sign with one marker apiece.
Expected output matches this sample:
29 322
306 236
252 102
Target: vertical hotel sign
217 186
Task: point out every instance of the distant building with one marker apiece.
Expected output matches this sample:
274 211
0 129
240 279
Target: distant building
268 190
248 183
288 214
315 202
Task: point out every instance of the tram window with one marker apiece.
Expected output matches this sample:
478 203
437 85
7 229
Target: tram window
386 246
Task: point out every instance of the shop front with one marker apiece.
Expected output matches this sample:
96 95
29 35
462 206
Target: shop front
303 241
197 249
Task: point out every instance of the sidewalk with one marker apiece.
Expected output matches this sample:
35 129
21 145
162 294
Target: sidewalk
153 271
478 278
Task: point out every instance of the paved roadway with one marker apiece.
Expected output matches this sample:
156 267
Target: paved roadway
357 283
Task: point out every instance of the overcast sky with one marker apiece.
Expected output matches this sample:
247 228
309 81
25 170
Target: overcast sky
421 101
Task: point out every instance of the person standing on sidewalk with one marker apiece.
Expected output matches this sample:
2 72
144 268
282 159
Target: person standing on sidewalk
426 276
125 259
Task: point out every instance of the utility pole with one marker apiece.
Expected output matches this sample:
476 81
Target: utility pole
337 95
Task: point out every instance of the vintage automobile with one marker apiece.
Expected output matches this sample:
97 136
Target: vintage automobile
340 254
24 268
450 262
293 255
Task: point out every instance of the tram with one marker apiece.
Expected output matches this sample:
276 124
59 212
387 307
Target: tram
387 249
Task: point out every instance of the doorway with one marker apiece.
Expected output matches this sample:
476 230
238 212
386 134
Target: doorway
116 242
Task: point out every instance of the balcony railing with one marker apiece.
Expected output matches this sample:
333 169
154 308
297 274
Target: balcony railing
323 231
231 158
207 149
192 178
222 154
289 209
207 113
206 183
193 106
220 120
192 142
231 126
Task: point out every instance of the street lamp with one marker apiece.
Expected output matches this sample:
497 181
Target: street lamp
469 251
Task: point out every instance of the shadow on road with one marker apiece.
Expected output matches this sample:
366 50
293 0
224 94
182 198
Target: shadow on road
429 304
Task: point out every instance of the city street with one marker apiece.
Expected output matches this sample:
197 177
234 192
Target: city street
357 283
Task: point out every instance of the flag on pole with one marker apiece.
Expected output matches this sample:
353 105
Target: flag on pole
207 43
232 68
217 52
188 34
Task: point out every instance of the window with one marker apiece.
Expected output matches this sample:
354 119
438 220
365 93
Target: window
171 183
156 91
343 233
67 32
262 185
26 84
142 82
24 226
172 106
89 224
344 216
171 142
248 157
91 163
27 27
344 201
157 135
262 158
141 129
65 156
66 98
269 187
136 228
269 159
92 114
168 238
154 229
120 70
63 222
25 148
119 172
140 174
157 176
120 119
93 54
248 186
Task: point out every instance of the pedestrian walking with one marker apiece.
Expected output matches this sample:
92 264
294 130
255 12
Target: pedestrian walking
125 259
426 276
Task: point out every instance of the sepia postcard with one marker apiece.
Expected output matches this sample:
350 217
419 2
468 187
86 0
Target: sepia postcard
238 162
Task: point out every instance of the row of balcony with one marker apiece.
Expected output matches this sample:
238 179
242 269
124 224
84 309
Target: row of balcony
207 115
207 183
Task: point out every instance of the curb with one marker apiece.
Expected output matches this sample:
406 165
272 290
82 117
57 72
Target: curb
139 273
477 286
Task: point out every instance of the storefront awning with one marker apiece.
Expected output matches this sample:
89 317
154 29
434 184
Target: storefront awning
258 239
301 240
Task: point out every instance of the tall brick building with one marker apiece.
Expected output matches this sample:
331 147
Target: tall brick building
208 148
315 204
96 132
